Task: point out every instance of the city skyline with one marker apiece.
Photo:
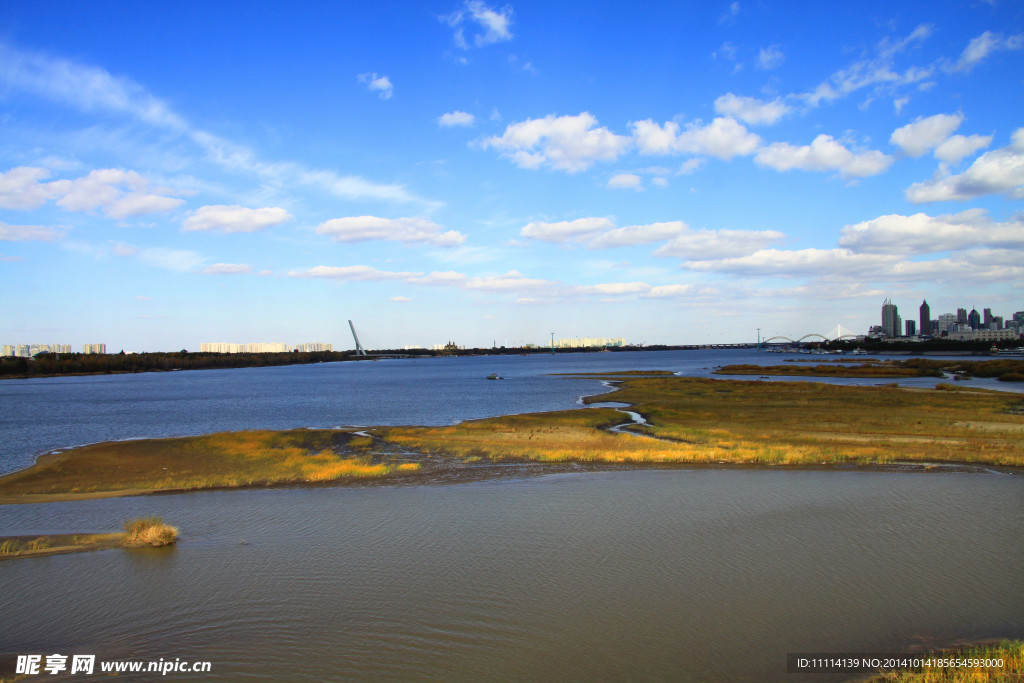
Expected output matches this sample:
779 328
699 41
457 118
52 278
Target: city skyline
668 173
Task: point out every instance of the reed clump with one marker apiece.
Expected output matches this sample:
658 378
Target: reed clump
149 531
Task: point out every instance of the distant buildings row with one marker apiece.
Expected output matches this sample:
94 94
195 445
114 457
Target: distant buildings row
217 347
29 350
962 326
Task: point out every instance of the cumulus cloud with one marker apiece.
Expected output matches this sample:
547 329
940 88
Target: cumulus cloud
20 188
956 147
227 269
981 47
364 228
625 181
925 133
797 263
769 58
717 244
750 109
724 138
351 274
923 234
565 143
378 84
489 25
637 234
578 230
455 118
118 193
28 233
824 153
1000 171
512 281
235 218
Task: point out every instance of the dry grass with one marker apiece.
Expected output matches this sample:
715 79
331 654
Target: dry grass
778 423
144 531
149 531
1011 652
227 459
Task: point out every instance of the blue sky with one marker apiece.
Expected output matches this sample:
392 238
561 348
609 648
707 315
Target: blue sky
670 173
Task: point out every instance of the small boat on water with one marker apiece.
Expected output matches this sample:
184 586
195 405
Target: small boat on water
494 375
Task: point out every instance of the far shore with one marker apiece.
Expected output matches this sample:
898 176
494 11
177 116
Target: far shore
686 422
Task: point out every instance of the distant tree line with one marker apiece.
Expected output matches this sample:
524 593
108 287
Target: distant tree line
48 364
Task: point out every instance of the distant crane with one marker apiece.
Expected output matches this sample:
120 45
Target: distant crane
360 351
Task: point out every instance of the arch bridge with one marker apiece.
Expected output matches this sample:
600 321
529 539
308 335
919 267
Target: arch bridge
781 338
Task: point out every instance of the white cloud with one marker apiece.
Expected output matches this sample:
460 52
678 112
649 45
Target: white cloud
660 182
823 154
350 274
750 109
363 228
20 188
235 218
578 230
92 89
1000 171
85 87
955 148
119 193
724 138
625 181
455 118
512 281
171 259
798 263
565 143
717 244
637 234
379 84
493 26
925 133
981 47
601 233
877 71
769 58
227 269
28 233
923 234
400 299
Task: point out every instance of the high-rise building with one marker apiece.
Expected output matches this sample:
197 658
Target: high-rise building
961 316
946 320
925 318
94 348
986 317
974 319
911 328
890 319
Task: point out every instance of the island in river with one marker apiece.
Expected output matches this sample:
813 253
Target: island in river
674 420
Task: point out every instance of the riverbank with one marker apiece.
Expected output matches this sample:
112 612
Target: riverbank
1004 370
687 421
995 661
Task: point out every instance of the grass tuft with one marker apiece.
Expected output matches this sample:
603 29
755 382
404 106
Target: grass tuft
149 531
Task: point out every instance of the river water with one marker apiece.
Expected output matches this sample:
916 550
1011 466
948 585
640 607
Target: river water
674 574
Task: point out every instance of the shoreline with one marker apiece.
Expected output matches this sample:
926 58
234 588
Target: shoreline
688 423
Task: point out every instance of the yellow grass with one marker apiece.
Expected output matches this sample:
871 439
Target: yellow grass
227 459
144 531
1011 652
778 423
